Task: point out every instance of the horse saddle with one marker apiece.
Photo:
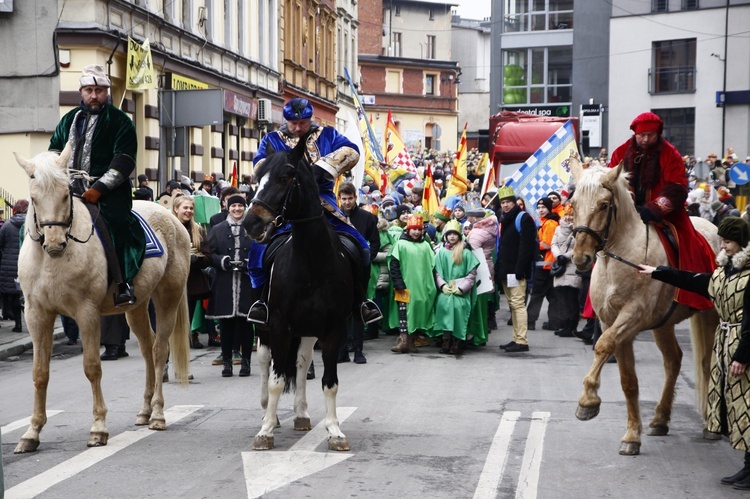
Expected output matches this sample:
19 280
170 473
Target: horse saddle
352 250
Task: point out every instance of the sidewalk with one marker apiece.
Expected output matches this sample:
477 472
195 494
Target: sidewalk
12 344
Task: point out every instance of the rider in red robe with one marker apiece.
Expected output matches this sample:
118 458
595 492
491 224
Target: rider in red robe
659 183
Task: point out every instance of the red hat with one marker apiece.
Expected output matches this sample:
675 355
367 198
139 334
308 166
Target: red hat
414 222
647 122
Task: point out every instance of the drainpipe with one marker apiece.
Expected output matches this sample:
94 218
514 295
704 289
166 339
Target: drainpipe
724 90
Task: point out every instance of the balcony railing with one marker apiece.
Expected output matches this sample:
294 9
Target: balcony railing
671 80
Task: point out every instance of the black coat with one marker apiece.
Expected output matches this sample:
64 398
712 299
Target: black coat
9 248
230 292
366 224
197 283
518 252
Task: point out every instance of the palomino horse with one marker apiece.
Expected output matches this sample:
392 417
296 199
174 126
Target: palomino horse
608 227
308 292
62 269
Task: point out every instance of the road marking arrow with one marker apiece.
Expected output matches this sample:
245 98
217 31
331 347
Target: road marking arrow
21 423
270 470
43 481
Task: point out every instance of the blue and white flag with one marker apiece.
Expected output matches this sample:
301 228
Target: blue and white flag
546 170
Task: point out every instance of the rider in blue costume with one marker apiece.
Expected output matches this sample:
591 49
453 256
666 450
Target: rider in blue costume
333 155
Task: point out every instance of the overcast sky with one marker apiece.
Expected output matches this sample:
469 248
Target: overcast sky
473 9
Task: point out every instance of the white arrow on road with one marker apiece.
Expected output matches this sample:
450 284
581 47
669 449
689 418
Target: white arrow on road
267 471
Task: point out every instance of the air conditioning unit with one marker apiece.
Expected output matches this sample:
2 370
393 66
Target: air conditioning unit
264 110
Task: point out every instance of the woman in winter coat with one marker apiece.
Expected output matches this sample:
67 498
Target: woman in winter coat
567 285
10 245
729 386
230 293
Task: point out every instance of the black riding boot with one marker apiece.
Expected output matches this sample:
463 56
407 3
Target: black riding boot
124 294
741 479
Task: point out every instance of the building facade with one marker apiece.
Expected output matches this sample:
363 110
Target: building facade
406 67
551 59
677 58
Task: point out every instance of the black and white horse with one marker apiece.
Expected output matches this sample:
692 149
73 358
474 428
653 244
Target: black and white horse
309 292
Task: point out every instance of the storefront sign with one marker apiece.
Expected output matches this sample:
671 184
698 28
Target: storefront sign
239 105
176 82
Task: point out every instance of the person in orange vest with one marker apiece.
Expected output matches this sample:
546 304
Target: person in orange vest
543 282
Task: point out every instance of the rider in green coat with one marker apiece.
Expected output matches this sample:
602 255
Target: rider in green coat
104 145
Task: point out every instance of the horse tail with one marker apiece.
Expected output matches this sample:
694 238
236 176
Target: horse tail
702 333
179 340
290 366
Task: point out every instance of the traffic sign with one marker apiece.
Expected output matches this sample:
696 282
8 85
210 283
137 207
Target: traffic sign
740 173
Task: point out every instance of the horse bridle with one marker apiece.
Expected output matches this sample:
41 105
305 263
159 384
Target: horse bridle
602 236
68 224
279 218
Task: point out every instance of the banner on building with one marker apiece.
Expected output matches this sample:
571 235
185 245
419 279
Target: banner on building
140 68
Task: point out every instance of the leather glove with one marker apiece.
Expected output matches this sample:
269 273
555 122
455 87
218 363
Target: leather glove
193 258
91 196
562 259
646 214
446 289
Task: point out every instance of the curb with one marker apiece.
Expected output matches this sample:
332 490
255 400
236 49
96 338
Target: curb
19 346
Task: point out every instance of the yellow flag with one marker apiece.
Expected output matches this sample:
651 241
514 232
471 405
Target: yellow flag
430 201
140 67
459 181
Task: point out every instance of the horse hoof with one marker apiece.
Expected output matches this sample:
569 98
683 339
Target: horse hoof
587 413
263 442
26 445
338 443
658 430
97 439
302 424
630 448
707 435
142 419
157 424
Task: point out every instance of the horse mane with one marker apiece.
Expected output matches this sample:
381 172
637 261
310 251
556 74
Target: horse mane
47 172
590 182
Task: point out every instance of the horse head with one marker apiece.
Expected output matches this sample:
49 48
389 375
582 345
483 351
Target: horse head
286 186
51 207
600 194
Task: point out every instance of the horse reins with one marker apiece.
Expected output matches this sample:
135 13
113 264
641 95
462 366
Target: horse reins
280 218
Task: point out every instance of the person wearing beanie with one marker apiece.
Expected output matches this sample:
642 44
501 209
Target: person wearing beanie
455 276
728 407
411 264
659 185
231 289
143 184
105 146
543 285
402 211
557 205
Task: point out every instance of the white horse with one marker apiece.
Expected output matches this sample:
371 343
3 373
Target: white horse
62 269
608 228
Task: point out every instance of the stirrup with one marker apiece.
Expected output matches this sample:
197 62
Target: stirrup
124 295
258 313
370 312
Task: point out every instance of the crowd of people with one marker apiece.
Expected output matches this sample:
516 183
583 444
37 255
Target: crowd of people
436 278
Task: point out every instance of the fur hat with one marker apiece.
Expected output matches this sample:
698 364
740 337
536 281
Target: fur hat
506 192
647 122
547 202
94 75
236 199
735 229
414 222
298 109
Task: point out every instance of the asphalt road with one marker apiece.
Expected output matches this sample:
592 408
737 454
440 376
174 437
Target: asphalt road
485 424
